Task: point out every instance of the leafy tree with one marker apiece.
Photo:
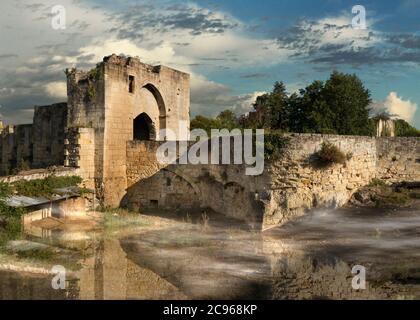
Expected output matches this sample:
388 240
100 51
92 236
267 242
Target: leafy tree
339 105
404 129
270 110
205 123
225 120
309 112
348 101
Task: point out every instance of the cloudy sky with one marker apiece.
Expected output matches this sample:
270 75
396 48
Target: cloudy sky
234 49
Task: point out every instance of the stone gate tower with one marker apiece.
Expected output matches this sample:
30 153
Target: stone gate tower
120 100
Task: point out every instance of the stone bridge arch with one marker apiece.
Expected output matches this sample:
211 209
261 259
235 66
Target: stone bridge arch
167 189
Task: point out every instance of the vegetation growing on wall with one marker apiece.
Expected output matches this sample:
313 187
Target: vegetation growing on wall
91 91
330 154
39 187
44 187
23 165
93 76
275 144
378 193
10 224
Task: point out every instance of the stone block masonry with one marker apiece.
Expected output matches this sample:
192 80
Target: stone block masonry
297 184
48 135
16 147
123 99
120 100
222 188
398 159
80 153
36 145
288 188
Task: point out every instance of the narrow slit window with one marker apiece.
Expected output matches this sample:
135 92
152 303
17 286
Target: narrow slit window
131 84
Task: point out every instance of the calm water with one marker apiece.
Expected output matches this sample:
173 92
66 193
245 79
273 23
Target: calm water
137 257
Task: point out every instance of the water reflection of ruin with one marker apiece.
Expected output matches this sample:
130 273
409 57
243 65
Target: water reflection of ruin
108 274
303 260
104 275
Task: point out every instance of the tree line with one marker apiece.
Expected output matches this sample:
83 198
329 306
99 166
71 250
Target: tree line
339 105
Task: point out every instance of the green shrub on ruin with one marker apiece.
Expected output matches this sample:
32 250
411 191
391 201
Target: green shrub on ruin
330 154
44 187
377 183
275 145
7 211
93 75
11 230
91 91
5 190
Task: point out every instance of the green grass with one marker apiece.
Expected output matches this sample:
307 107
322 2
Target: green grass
5 190
415 195
12 230
45 254
116 219
44 187
11 216
377 183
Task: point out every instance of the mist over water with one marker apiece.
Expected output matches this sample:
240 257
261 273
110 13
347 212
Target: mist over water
308 258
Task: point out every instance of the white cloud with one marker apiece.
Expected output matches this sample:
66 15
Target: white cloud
245 102
6 91
339 30
161 54
209 98
396 106
56 89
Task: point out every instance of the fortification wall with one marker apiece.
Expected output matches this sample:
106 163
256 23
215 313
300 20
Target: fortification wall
109 98
80 153
36 145
48 135
288 188
222 188
15 148
133 88
398 159
299 184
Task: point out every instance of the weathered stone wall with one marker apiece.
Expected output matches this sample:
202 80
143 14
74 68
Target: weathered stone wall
288 188
160 92
16 148
222 188
36 145
48 135
8 150
110 97
41 174
24 144
80 153
398 159
299 184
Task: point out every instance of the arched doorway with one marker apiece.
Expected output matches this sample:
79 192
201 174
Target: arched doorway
143 128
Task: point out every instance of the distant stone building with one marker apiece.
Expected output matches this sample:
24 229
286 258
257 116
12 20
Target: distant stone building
385 128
